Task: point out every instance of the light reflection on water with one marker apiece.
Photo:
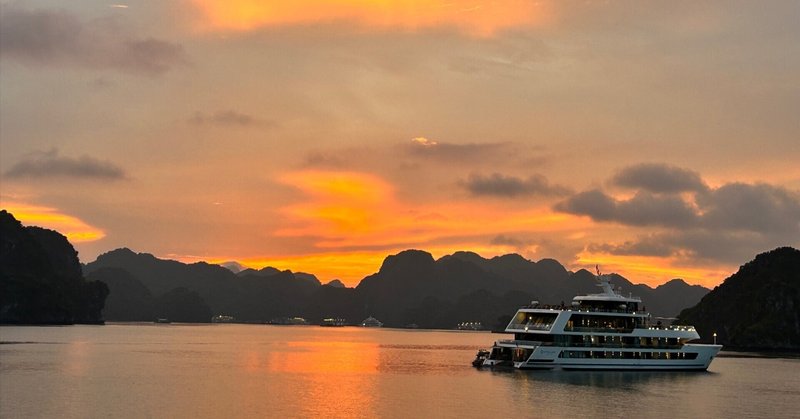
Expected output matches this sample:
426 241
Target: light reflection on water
263 371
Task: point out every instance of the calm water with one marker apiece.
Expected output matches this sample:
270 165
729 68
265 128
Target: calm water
221 371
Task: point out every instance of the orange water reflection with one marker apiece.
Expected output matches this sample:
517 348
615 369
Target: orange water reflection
338 378
326 357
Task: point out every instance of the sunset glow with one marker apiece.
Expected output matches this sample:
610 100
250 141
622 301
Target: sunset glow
76 230
653 270
480 18
658 141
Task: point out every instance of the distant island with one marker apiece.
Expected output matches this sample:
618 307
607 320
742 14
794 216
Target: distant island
43 283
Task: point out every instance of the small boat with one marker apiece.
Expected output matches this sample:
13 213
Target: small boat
333 322
470 326
222 319
162 320
480 358
371 322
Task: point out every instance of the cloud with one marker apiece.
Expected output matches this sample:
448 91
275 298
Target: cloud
50 165
759 208
659 178
651 245
511 187
725 224
452 152
504 240
43 37
223 117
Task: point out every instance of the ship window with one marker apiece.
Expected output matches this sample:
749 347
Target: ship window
532 321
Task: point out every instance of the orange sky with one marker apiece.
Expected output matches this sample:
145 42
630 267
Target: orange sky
656 140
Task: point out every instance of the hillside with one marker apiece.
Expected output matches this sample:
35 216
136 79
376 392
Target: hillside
758 307
41 280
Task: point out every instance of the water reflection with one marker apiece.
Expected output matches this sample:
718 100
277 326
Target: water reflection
326 357
333 378
257 371
608 379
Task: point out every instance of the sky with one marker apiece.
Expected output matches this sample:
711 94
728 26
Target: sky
658 140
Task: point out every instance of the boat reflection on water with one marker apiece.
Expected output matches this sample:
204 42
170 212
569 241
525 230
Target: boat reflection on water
604 379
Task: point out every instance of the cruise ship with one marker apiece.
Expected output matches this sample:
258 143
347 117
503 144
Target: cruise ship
604 331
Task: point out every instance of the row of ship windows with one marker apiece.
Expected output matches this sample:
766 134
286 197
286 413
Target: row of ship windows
613 341
627 355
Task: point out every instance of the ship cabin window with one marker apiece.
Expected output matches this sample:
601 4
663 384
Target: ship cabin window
533 321
590 323
607 306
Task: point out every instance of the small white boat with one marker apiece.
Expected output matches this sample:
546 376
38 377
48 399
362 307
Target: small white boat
371 322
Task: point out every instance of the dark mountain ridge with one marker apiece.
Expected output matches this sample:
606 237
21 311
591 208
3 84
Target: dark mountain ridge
410 287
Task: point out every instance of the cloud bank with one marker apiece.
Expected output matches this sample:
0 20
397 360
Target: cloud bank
51 165
729 223
500 185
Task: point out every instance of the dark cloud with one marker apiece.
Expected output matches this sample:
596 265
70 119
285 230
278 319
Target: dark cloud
43 37
452 152
652 245
593 203
224 117
701 245
510 186
642 210
760 208
659 178
727 224
504 240
51 165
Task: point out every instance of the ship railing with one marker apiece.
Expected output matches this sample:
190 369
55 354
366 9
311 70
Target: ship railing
598 329
584 309
589 345
678 328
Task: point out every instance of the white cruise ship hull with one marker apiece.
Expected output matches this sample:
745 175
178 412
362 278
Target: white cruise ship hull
689 357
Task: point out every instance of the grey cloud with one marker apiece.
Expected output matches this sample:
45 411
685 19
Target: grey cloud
504 240
759 208
593 203
729 224
223 117
653 245
43 37
659 178
701 245
641 210
51 165
453 152
510 186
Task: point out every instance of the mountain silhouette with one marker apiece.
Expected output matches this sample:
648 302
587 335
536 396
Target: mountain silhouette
758 307
41 280
410 287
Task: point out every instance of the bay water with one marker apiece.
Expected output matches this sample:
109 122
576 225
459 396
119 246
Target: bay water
248 371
